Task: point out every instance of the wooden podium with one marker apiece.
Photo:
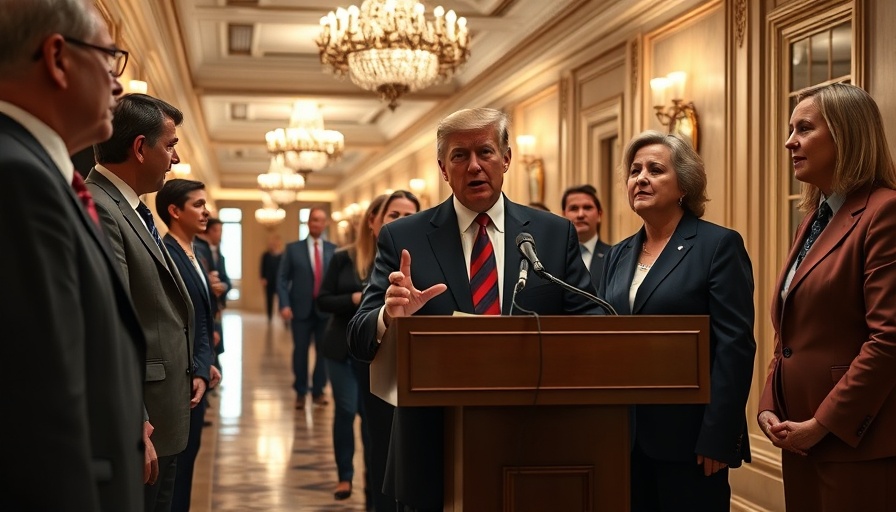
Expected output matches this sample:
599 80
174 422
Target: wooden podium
537 419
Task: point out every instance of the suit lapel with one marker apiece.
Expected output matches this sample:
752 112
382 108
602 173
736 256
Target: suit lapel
676 249
841 224
444 239
515 222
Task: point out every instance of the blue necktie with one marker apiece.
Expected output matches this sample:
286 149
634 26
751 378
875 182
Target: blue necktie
820 222
146 215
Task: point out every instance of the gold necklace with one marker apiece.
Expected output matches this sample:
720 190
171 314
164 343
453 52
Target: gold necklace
188 248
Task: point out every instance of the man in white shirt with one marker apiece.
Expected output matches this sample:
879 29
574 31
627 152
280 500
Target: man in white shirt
582 207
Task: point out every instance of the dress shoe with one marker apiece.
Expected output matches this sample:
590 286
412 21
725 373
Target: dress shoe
320 400
343 491
300 404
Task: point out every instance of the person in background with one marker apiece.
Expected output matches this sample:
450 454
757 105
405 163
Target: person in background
829 401
582 207
678 264
73 367
270 263
208 250
132 163
458 247
340 295
181 204
299 278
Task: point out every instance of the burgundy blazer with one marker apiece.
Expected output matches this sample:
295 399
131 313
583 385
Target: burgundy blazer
835 332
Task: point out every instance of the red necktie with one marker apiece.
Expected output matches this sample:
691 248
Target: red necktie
318 268
484 272
85 197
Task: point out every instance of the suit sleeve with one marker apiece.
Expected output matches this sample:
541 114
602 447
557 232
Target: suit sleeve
731 317
362 342
332 299
577 274
42 318
861 392
284 278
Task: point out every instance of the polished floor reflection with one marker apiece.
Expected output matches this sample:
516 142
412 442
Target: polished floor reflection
262 453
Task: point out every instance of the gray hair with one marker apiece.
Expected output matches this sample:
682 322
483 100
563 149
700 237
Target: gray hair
473 119
26 23
686 163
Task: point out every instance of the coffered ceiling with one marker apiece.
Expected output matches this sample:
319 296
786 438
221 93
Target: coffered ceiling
247 61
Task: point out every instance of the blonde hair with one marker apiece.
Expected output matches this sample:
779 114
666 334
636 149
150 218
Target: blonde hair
855 123
686 163
364 248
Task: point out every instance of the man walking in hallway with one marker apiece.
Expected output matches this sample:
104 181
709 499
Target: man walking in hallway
298 281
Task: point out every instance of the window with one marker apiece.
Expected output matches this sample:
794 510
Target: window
304 214
232 247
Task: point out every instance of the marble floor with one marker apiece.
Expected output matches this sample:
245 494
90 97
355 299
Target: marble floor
260 453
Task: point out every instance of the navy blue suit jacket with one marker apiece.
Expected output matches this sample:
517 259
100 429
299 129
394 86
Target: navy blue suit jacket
204 307
295 279
703 270
414 471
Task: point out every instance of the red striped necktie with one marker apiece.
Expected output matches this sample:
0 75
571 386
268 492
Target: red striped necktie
484 272
85 197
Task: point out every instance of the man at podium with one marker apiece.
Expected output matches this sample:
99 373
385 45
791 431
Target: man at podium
460 257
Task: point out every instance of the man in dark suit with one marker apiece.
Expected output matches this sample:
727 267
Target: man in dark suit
132 163
465 247
72 368
582 207
208 250
301 272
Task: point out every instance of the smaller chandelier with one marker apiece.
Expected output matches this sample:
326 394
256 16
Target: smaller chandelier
389 46
280 183
305 145
270 215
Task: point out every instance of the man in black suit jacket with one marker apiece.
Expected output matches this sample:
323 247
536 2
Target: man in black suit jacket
582 207
298 282
131 163
474 153
72 366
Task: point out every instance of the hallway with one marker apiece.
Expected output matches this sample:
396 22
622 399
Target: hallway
260 453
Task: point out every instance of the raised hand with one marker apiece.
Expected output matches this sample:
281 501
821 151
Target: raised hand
402 298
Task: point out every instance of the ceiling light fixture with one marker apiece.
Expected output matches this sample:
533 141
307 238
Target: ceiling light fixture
305 146
280 182
389 46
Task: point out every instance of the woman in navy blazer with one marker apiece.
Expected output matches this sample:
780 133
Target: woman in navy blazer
677 264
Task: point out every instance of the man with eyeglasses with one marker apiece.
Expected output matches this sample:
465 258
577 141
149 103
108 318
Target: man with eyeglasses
72 367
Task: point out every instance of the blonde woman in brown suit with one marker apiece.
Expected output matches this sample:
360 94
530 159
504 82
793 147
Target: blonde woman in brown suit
829 401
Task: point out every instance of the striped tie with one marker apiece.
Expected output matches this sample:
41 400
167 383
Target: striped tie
484 272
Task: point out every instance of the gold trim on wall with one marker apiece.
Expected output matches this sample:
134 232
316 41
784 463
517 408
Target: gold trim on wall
740 21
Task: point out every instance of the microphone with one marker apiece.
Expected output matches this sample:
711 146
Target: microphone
524 275
526 244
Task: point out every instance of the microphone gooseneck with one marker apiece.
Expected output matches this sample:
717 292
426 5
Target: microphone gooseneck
526 244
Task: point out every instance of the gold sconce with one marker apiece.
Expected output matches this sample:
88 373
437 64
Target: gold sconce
534 167
418 187
137 86
680 116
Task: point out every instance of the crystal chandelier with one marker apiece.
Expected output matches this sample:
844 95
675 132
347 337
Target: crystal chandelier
305 146
269 215
280 182
389 46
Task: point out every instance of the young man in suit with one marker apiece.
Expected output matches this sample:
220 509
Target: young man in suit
72 369
582 207
132 163
301 272
464 259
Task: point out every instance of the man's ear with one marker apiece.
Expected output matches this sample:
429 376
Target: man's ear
138 146
442 170
56 60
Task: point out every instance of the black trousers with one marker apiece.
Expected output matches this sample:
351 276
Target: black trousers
183 482
157 497
676 486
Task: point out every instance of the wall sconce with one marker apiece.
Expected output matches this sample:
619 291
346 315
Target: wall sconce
534 167
680 117
181 171
138 86
418 187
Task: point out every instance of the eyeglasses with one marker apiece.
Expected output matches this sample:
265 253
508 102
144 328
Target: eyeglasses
118 59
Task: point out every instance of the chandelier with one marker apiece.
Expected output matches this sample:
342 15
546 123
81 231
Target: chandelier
305 146
389 46
269 215
280 182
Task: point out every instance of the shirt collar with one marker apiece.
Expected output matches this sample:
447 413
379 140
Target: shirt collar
590 244
467 217
835 201
129 195
46 137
